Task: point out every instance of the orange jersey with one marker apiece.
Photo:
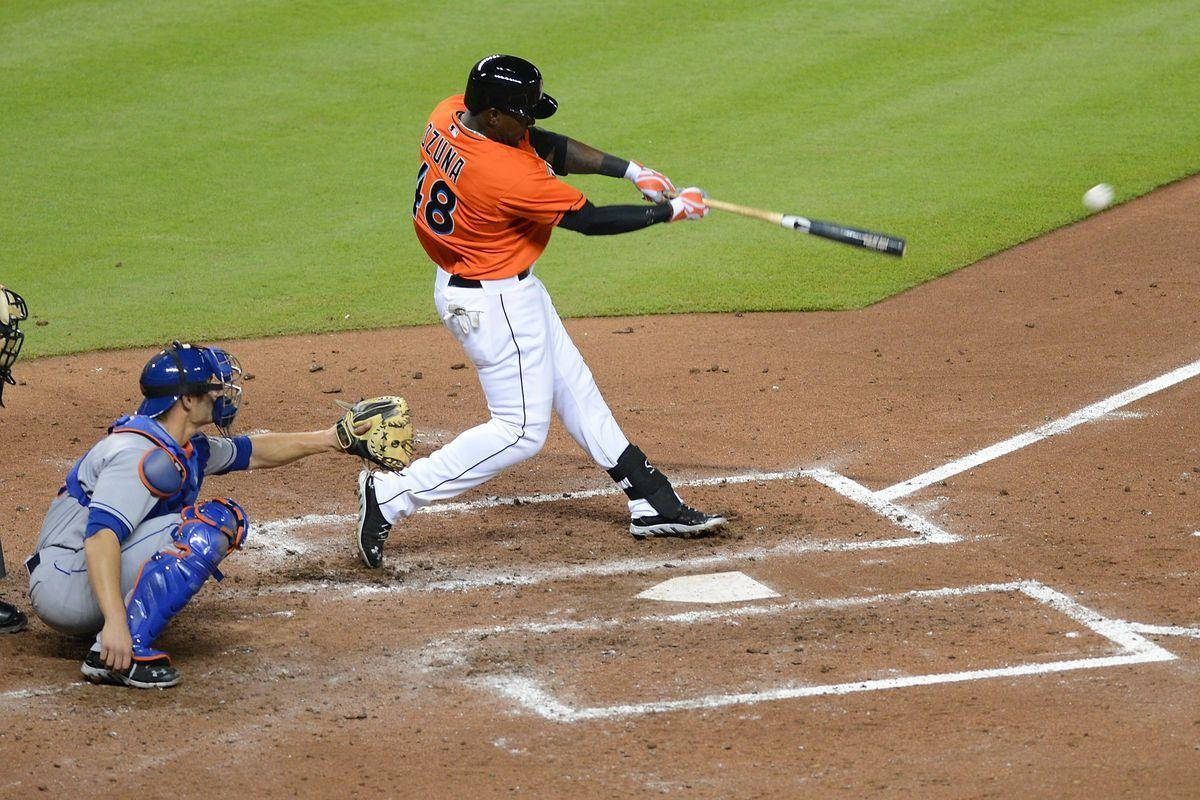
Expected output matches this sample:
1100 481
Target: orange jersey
484 210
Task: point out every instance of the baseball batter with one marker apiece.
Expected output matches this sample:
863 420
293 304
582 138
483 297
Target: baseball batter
12 311
487 199
125 544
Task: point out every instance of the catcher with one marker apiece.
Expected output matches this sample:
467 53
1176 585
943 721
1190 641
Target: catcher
126 544
12 311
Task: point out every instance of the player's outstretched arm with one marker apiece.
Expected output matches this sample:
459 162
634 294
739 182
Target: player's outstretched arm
566 155
379 429
276 449
606 220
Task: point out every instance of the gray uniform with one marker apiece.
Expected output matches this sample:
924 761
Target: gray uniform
121 500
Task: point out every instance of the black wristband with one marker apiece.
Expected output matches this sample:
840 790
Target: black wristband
613 167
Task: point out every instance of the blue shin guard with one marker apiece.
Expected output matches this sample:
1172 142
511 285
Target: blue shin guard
209 531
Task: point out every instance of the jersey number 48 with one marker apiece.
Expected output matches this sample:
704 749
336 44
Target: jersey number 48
439 207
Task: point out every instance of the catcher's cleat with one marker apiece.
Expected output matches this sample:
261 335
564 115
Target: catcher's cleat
152 673
686 524
373 527
12 620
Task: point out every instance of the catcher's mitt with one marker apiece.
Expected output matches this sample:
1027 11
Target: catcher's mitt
389 440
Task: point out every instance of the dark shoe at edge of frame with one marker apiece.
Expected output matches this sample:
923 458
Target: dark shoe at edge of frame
12 619
373 527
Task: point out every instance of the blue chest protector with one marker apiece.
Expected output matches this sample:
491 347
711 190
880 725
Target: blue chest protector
193 459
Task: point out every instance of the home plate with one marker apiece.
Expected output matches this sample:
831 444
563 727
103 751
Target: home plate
718 587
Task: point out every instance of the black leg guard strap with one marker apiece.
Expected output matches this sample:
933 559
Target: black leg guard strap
645 482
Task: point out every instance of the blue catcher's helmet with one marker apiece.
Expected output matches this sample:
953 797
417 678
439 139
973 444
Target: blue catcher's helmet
183 369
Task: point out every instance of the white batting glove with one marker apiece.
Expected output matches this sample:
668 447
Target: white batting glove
653 185
689 204
464 318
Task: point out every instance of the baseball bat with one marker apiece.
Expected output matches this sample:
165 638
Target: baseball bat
834 231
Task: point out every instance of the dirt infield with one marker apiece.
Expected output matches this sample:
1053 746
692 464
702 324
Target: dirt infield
1023 622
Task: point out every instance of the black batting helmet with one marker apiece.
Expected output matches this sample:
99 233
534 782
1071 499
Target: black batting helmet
508 84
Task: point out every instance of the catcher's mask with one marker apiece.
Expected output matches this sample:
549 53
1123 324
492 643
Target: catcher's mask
184 369
12 311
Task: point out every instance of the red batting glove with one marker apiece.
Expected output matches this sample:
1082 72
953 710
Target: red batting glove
653 185
689 204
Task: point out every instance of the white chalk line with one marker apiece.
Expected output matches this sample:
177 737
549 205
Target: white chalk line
1165 630
1124 415
272 536
1086 414
927 533
708 615
275 540
529 694
24 694
903 517
286 614
833 480
532 576
275 527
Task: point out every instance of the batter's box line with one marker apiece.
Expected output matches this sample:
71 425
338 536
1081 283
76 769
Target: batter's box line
926 532
272 538
530 695
839 483
1090 413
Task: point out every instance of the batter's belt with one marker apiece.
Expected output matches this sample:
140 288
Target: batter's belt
471 283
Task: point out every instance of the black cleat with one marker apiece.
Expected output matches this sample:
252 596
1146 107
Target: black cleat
373 528
12 619
686 524
153 673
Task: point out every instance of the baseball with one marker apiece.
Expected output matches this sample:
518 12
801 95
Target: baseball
1098 198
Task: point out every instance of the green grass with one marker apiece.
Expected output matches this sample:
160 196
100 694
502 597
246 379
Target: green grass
216 169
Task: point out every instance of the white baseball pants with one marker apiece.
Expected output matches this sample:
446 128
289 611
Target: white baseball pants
528 366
